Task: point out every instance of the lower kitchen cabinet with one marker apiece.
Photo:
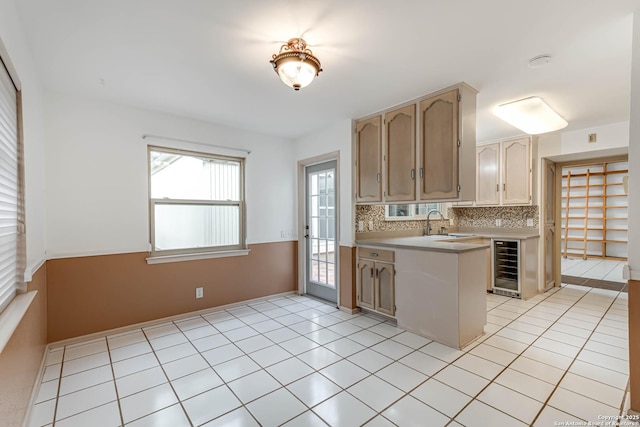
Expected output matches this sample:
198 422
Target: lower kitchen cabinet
376 280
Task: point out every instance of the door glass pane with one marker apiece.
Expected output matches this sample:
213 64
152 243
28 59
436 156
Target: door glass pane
322 223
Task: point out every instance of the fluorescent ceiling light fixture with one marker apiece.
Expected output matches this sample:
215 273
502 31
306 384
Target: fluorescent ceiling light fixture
531 115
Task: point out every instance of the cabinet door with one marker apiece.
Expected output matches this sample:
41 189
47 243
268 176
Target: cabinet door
439 146
385 288
366 283
488 183
400 155
368 154
516 172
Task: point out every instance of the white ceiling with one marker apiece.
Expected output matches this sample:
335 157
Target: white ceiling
208 59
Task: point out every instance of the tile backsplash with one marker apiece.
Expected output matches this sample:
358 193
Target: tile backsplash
510 217
375 214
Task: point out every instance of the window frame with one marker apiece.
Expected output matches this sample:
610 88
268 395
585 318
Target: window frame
18 286
204 250
414 216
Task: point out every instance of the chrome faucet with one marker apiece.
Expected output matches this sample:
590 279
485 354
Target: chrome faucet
428 230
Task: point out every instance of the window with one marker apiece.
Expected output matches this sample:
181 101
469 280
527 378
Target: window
12 238
196 202
413 211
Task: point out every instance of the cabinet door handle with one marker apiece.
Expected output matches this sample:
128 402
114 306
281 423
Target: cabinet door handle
373 254
421 173
413 174
378 177
497 187
504 187
376 273
372 273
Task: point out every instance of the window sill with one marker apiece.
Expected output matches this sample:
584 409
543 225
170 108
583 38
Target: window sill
163 259
11 316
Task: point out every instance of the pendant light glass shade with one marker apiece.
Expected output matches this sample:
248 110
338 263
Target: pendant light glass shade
295 64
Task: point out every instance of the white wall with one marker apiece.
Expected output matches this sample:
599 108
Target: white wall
12 36
334 138
634 154
97 189
608 136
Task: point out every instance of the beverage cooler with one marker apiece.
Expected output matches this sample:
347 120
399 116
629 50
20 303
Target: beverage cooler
506 267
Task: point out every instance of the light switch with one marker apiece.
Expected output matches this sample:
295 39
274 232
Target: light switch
370 225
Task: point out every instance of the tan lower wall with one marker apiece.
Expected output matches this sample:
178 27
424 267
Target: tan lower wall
21 359
634 343
98 293
348 277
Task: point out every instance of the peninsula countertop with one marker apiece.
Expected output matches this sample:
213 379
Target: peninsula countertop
458 240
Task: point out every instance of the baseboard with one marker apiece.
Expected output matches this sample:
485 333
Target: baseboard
349 310
35 390
128 328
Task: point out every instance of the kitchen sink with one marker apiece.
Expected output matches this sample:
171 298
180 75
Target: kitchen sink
451 236
438 236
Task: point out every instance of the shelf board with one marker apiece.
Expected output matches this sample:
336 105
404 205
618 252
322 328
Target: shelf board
599 173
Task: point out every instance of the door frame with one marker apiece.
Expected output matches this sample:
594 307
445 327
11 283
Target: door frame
302 215
609 155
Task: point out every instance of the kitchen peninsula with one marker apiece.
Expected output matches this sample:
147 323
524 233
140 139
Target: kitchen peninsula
439 286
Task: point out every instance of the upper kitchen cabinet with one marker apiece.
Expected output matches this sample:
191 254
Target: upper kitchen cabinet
516 159
447 144
425 150
504 173
368 154
488 168
400 154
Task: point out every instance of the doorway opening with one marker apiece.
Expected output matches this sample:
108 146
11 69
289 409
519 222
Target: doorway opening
594 221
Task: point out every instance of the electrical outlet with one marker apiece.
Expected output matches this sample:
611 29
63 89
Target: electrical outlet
360 225
199 293
370 225
529 222
498 222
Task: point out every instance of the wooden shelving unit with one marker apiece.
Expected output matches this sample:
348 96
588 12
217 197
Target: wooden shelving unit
594 210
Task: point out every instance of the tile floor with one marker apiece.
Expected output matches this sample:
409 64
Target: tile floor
294 361
593 268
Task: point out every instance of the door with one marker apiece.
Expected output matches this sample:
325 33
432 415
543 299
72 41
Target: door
439 146
488 184
366 283
516 175
385 288
321 230
400 155
551 257
369 160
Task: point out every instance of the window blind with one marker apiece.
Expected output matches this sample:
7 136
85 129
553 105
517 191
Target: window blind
9 188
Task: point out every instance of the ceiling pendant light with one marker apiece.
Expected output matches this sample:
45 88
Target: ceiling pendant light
295 64
531 115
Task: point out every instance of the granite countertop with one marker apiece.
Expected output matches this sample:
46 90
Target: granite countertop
426 243
458 240
499 233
